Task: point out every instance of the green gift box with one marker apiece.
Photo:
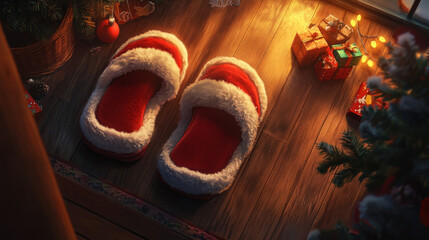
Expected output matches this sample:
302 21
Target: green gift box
347 55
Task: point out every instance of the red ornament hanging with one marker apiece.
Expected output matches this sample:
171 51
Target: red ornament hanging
108 30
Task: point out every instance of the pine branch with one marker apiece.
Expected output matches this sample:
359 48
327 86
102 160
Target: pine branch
375 181
333 157
83 20
344 176
351 142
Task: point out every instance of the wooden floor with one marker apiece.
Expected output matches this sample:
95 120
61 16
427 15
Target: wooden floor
278 193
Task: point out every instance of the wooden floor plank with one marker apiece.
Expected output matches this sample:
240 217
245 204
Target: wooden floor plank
64 105
81 237
283 181
120 215
248 189
311 192
94 227
335 121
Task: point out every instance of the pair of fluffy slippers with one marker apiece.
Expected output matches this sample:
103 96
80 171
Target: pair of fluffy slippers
219 113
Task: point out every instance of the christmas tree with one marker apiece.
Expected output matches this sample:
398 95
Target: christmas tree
392 153
40 18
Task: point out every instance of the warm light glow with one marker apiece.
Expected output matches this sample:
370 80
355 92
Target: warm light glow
353 22
364 58
370 63
373 44
359 17
382 39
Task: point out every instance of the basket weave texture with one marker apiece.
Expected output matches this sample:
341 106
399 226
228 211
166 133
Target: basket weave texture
46 56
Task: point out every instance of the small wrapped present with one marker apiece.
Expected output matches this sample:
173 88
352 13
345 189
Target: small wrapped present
131 9
347 55
32 105
363 98
326 68
308 45
334 30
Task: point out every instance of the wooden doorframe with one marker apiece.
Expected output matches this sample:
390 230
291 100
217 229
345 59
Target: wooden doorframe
31 205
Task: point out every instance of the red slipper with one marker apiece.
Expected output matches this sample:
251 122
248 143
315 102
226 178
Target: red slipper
144 73
220 116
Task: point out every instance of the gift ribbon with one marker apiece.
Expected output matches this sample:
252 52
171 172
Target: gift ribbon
348 49
375 101
339 26
313 36
328 60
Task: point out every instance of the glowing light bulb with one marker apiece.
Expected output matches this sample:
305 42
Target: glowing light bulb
373 44
370 63
353 22
364 58
381 39
359 17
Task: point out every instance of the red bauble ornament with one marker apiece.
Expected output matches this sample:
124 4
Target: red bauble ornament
108 30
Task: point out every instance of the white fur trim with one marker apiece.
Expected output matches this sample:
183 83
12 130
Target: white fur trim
157 61
167 36
221 95
249 70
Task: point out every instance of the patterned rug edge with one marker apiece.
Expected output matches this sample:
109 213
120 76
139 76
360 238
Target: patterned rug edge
111 192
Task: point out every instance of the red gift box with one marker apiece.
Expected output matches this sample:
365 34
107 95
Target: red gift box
342 73
131 9
32 105
326 68
364 98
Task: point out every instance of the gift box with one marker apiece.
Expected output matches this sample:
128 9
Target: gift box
342 73
334 30
326 68
363 98
308 45
347 55
32 105
132 9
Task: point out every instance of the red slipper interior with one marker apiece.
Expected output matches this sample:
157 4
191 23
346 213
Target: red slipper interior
213 134
124 102
122 105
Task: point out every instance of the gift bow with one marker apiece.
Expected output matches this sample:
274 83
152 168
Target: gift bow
335 24
328 60
348 49
347 46
312 37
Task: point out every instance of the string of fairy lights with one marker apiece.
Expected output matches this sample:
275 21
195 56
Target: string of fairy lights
367 57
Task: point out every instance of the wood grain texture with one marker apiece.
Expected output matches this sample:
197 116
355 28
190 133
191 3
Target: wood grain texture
92 226
312 189
278 193
81 237
116 213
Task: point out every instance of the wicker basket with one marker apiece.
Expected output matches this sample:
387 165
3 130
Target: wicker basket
46 56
